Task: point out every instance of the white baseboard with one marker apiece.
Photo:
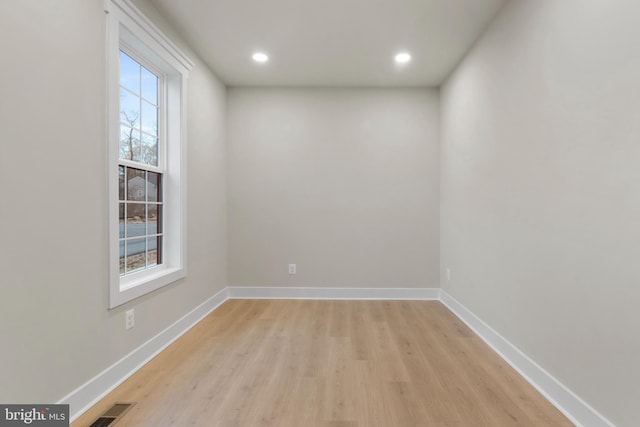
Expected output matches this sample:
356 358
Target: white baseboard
258 292
88 394
574 408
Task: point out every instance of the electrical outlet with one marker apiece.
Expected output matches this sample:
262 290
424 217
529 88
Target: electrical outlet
292 269
448 274
129 319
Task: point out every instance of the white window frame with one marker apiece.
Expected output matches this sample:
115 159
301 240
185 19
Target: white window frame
127 26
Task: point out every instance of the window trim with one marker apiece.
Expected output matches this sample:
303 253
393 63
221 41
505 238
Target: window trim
128 27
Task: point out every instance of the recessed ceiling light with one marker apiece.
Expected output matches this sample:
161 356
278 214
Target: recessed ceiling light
260 57
403 58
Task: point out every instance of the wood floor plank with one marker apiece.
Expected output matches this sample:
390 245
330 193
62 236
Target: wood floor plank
291 363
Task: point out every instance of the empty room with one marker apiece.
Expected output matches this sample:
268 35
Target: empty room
287 213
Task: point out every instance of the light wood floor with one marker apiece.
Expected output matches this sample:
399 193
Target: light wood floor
297 363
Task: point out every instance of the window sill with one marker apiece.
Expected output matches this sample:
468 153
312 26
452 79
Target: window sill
144 282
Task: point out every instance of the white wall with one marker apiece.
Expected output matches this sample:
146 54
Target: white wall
342 182
55 330
541 191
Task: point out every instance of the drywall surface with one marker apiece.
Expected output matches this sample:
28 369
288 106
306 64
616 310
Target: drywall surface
55 328
540 195
341 182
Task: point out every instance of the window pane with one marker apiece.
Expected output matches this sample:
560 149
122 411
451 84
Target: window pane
149 118
121 256
136 254
121 221
149 86
121 182
159 255
136 219
129 143
159 221
152 219
149 150
136 185
152 251
129 109
129 73
154 187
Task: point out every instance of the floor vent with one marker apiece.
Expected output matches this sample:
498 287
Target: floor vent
112 415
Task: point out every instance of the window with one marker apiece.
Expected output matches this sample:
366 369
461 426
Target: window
140 168
147 78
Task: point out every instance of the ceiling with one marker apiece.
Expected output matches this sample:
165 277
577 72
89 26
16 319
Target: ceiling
330 42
